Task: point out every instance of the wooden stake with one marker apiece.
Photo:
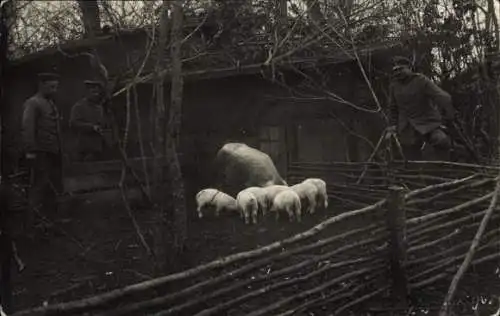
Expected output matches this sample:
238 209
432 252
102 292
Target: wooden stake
396 225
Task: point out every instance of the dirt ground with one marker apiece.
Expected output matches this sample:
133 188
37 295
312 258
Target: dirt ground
96 249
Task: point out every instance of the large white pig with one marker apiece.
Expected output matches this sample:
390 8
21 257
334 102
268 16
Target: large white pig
239 166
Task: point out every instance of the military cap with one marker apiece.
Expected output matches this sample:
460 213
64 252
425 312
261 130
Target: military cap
93 83
48 76
401 61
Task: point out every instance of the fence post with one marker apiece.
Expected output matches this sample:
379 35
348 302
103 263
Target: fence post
396 226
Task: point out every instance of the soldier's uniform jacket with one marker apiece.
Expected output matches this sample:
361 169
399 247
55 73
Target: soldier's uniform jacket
40 126
413 102
84 116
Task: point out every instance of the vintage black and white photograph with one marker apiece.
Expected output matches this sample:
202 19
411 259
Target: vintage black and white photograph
249 157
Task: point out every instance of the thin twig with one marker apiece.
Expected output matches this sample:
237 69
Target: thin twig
134 221
373 154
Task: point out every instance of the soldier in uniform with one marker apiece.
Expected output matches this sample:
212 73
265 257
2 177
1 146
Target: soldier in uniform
413 113
87 120
42 145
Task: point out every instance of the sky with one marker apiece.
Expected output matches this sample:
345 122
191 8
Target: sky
47 22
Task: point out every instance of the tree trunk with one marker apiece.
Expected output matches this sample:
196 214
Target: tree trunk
492 50
7 16
160 199
282 13
4 34
176 182
492 24
90 17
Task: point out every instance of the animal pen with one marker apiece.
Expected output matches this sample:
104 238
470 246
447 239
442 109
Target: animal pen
349 263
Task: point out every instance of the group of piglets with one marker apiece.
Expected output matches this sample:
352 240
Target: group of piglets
250 202
259 188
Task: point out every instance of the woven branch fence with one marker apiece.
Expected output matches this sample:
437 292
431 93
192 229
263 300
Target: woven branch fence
322 270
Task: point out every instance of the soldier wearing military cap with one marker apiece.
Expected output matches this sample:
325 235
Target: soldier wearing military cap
42 145
413 112
87 120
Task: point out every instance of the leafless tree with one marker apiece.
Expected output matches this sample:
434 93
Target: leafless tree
90 16
173 130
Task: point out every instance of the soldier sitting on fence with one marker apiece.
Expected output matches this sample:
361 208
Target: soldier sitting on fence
413 114
87 120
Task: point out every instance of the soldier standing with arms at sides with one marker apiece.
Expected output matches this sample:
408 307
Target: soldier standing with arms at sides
87 120
42 145
413 113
